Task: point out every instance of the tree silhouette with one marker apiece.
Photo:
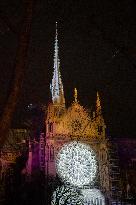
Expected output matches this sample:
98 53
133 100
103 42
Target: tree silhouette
20 65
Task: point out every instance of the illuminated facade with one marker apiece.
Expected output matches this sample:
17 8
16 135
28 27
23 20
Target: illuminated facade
75 123
64 125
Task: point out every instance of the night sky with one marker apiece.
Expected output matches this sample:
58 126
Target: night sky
97 49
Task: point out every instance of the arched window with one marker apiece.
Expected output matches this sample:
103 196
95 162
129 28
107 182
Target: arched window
51 153
51 127
100 130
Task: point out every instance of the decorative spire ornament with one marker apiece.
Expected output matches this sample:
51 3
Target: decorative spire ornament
56 86
75 95
98 105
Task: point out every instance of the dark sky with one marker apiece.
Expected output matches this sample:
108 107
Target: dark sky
97 44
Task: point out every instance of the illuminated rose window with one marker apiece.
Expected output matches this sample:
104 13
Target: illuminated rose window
76 164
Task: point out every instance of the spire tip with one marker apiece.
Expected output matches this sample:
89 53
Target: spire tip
56 28
75 95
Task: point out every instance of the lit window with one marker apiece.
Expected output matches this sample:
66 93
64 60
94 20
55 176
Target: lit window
99 130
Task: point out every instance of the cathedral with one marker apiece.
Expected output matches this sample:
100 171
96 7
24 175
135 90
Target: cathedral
63 125
56 125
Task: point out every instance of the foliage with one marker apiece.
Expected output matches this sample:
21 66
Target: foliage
66 195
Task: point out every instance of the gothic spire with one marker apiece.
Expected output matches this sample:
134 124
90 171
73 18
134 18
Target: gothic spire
56 85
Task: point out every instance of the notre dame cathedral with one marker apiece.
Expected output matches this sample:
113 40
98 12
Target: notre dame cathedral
66 124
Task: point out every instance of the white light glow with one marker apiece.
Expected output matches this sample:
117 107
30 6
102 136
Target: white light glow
92 197
76 164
